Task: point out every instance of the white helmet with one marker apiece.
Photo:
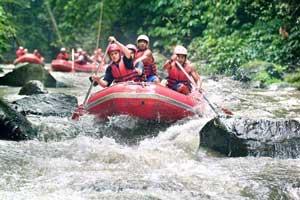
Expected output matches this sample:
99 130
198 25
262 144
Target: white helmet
143 37
63 49
180 50
21 47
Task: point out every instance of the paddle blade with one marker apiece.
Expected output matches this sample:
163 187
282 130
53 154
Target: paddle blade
226 111
80 110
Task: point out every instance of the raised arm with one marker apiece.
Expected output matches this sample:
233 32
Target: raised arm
147 54
124 49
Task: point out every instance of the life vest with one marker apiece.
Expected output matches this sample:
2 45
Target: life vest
122 74
37 54
149 64
20 52
177 76
62 56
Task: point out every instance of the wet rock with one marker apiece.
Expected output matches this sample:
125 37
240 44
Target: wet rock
33 87
52 104
237 137
13 125
21 75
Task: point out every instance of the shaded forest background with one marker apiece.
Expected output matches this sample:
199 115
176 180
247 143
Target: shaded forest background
222 35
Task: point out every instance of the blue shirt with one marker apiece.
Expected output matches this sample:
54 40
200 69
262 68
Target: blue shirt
128 62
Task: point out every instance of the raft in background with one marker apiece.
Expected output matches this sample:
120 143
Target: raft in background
30 58
66 66
147 101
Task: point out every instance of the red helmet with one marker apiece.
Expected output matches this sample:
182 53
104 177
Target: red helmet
132 47
113 47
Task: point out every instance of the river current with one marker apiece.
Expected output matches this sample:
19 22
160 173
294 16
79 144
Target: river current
86 159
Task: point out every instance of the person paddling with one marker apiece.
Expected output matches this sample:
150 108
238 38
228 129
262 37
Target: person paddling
177 80
63 55
121 67
144 54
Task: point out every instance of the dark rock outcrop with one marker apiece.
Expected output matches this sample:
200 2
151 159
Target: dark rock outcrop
21 75
237 137
33 87
55 104
13 125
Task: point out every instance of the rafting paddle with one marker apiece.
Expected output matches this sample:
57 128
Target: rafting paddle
81 108
226 111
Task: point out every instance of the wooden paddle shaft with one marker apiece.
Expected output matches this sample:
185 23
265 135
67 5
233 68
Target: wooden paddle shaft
194 85
98 69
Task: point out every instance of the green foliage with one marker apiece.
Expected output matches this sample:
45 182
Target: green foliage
222 34
293 79
227 34
264 72
7 30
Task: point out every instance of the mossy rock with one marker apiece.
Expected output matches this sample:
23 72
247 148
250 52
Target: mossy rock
259 71
293 79
21 75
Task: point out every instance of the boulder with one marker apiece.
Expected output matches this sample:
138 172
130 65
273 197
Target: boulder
21 75
52 104
237 137
13 125
33 87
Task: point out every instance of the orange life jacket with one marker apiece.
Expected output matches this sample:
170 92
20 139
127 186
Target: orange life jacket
177 76
149 64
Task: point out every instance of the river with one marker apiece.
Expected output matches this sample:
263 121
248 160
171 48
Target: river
90 160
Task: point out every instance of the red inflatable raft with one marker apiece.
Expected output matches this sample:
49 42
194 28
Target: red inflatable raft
143 100
66 66
30 58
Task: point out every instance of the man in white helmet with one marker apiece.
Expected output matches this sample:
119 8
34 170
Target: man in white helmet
63 55
177 79
144 54
20 52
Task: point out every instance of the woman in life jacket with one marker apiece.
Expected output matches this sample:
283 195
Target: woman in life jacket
121 67
177 80
144 54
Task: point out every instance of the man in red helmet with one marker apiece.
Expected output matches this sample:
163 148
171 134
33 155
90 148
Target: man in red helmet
121 68
177 79
63 55
144 54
